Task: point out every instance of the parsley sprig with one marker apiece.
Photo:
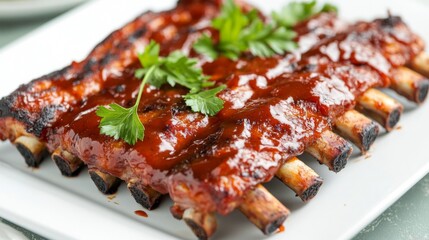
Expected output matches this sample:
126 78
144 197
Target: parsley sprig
240 32
296 12
119 122
205 102
175 69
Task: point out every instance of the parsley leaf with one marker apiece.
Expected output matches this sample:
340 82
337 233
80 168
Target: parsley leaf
240 32
296 12
205 102
205 45
173 69
119 122
124 123
267 40
328 7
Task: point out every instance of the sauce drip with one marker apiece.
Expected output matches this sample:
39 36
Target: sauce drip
141 213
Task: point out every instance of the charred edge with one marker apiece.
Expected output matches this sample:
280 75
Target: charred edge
102 185
65 168
368 136
143 198
137 34
56 75
393 119
7 103
111 35
422 91
7 109
48 113
341 160
94 63
274 225
310 192
32 160
198 231
391 21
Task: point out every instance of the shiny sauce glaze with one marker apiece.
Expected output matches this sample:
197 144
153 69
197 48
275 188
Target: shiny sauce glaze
41 102
274 107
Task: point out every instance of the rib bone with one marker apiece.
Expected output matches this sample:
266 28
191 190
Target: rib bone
146 196
410 84
106 183
300 178
31 149
264 210
380 107
331 150
68 164
202 224
359 129
421 64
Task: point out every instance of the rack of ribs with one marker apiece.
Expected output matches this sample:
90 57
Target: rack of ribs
319 100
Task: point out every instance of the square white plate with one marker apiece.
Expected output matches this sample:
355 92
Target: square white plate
62 208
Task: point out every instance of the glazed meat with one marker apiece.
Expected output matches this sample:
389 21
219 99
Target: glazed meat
268 117
275 108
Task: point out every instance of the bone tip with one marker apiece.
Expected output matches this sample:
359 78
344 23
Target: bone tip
144 199
311 192
30 159
102 185
369 135
393 119
423 89
341 160
200 232
274 225
202 224
65 168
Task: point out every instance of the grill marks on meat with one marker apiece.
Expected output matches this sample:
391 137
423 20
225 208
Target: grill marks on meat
274 107
40 103
268 117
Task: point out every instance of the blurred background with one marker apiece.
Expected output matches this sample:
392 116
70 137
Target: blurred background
406 219
18 17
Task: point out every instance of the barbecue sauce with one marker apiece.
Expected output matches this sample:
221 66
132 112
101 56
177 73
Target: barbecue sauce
141 213
274 108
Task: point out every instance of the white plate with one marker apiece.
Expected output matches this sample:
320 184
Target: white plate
21 9
61 208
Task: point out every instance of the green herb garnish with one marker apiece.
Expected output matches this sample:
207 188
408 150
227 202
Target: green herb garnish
205 102
240 32
296 12
174 69
124 123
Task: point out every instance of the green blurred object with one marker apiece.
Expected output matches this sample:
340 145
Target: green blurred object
10 31
408 218
30 235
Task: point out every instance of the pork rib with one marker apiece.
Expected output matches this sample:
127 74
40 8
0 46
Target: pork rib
274 107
